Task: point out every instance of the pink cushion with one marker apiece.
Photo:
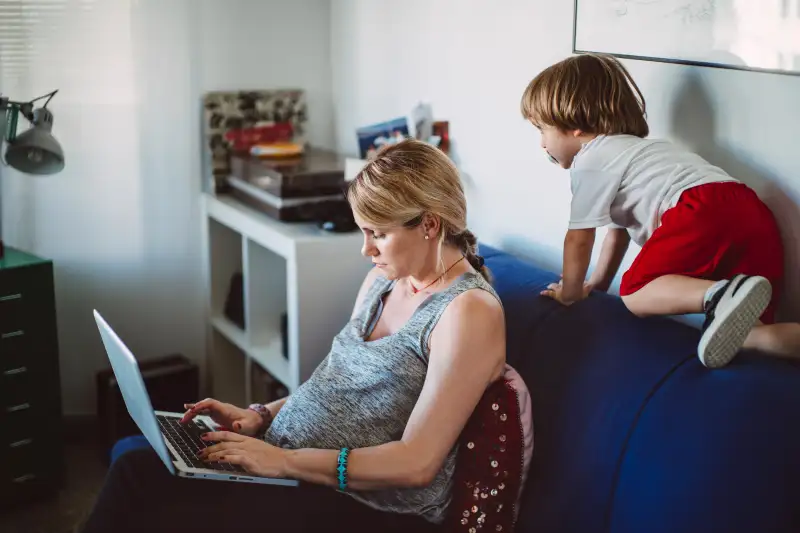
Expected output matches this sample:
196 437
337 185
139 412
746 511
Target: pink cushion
495 452
525 415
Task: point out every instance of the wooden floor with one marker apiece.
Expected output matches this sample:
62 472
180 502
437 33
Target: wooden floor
65 512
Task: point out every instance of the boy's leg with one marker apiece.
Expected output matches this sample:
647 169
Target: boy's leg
732 308
780 340
677 295
715 232
669 295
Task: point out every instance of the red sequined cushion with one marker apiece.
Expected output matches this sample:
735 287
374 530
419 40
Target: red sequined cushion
489 465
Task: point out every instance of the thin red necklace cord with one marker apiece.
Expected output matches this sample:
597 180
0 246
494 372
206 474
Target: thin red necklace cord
416 290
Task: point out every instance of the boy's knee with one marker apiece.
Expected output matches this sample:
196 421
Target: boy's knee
633 305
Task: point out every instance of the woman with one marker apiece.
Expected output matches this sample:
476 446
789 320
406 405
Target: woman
384 409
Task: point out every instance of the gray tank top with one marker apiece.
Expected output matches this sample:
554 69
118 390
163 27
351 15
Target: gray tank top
363 393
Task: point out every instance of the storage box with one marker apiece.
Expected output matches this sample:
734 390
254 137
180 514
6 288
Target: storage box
302 209
315 173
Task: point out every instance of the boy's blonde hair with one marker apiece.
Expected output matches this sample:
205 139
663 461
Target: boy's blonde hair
593 93
407 180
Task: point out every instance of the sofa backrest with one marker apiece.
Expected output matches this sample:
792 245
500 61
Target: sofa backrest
625 414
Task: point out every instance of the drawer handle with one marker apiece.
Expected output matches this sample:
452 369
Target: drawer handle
9 297
20 407
25 478
10 334
15 371
20 443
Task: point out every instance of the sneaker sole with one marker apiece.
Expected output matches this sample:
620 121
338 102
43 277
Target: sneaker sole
725 336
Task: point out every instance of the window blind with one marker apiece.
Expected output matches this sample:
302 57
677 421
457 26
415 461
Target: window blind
81 47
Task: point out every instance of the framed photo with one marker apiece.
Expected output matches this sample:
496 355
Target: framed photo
372 138
755 35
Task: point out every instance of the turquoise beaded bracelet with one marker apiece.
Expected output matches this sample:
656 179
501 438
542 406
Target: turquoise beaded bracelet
342 468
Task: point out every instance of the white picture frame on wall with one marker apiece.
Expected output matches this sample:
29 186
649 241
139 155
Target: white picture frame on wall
761 35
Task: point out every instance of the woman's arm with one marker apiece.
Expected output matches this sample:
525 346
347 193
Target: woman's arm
275 406
467 350
467 353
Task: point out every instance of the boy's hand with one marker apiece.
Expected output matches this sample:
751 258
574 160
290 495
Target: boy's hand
556 292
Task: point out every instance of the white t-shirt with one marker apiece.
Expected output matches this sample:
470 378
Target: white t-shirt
629 182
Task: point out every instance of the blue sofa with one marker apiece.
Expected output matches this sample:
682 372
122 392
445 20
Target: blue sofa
632 433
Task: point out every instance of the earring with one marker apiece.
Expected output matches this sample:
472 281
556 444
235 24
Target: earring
426 237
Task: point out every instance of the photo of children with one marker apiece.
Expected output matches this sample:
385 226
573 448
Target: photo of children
372 138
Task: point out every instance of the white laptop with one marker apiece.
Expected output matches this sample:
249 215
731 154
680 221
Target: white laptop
175 443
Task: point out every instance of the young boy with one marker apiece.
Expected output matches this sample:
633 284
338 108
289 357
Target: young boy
709 244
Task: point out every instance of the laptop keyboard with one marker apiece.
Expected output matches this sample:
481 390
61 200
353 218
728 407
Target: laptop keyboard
185 439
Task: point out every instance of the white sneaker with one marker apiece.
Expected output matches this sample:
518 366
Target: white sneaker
730 315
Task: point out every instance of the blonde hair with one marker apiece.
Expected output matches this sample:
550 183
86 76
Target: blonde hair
593 93
407 180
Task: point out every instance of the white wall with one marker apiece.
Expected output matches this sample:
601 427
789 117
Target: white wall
262 44
472 59
122 221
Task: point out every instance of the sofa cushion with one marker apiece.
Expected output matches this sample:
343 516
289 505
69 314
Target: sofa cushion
612 394
589 368
715 451
518 285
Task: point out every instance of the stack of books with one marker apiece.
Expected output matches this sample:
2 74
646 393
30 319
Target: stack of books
308 187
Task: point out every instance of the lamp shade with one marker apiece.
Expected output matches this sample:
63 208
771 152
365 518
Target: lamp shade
36 151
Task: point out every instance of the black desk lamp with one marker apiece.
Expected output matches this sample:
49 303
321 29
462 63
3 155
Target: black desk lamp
35 151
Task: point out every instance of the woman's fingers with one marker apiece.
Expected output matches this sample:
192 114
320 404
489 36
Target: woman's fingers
188 416
225 440
202 407
216 454
224 436
210 451
208 403
241 459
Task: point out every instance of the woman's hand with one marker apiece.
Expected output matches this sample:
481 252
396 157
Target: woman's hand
254 455
243 421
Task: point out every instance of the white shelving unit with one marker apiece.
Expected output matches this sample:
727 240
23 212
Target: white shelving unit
311 275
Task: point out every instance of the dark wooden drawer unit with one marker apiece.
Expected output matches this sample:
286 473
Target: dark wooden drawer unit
31 440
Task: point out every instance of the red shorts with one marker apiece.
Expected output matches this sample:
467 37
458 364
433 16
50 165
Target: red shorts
715 231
